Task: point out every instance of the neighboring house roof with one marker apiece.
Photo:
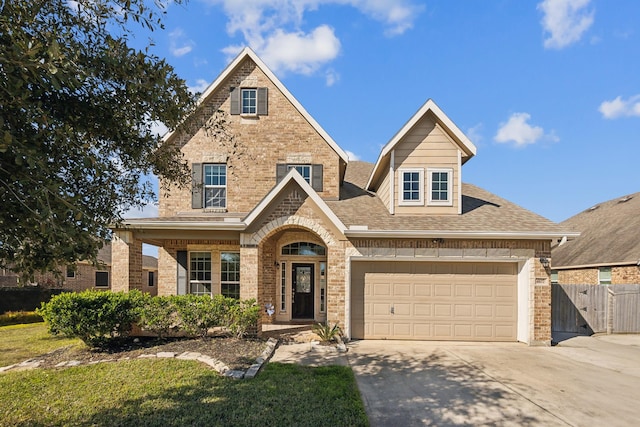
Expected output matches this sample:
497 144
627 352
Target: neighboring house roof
484 215
231 68
466 146
609 235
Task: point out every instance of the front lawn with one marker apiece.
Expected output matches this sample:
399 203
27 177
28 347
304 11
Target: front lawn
169 392
21 342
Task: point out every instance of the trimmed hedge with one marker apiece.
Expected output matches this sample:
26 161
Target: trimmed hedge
97 317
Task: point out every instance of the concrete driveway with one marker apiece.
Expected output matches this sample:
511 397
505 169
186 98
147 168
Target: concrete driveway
584 381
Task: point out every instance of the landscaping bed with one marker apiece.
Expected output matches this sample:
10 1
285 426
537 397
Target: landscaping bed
236 353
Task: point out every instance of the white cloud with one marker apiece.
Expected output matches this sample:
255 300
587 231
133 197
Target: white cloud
565 21
352 156
299 52
274 29
332 77
621 108
200 86
518 131
179 44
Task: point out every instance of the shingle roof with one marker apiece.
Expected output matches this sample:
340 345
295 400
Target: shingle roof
481 211
610 234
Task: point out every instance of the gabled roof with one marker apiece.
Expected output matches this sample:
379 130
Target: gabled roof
609 235
484 215
292 177
231 68
466 146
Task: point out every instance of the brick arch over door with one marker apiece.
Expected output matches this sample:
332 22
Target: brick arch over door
293 221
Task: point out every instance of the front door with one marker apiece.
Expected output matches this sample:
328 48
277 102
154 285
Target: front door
302 291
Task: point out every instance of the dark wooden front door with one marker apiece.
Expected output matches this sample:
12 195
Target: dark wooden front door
302 291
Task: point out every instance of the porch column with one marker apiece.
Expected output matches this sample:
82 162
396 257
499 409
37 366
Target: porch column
249 272
126 262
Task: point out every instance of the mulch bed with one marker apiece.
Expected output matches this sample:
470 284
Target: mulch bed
235 353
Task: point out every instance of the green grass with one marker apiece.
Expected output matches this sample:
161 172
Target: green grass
21 342
18 317
169 392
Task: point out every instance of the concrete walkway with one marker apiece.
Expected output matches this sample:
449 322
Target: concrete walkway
583 381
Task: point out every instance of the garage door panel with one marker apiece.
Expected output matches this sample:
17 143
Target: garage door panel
451 301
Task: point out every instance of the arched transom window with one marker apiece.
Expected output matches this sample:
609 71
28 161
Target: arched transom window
304 248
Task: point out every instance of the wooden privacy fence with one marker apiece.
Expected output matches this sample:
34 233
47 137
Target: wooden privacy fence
589 309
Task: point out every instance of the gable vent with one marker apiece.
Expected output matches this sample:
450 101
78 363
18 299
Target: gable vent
625 199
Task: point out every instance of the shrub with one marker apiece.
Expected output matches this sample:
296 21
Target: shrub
199 313
92 316
243 318
326 332
18 317
157 314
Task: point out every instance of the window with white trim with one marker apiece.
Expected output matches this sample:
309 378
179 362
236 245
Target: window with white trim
440 191
200 273
303 170
554 276
249 101
215 186
411 187
604 275
283 287
230 274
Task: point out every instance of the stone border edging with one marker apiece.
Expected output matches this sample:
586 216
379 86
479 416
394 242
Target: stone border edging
219 366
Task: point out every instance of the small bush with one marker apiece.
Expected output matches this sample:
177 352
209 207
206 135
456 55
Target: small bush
19 317
243 318
92 316
199 313
158 314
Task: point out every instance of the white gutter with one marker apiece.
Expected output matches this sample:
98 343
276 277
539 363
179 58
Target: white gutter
422 234
604 264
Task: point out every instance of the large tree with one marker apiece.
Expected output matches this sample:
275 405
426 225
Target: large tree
77 107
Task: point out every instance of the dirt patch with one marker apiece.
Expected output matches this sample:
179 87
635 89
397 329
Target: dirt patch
235 353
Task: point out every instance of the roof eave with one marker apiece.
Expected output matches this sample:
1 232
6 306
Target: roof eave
181 225
426 234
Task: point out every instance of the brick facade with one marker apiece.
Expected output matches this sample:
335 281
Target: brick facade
620 275
261 142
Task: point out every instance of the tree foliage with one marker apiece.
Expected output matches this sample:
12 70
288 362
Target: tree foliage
77 107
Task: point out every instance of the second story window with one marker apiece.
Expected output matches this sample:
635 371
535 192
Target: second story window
249 101
604 275
215 186
440 187
304 170
411 189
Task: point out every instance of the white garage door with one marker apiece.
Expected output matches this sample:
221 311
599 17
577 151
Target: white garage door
455 301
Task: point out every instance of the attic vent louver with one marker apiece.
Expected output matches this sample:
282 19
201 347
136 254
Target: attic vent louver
593 208
625 199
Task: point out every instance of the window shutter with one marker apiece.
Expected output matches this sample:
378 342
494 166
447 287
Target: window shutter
181 278
316 178
196 183
262 101
235 100
281 171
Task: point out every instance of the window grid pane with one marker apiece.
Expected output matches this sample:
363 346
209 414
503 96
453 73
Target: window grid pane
283 287
200 273
304 248
230 274
304 170
215 186
440 186
249 98
411 186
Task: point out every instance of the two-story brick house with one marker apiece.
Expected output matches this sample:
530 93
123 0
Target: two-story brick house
401 249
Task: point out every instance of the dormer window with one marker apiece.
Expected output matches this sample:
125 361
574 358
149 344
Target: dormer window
440 187
411 187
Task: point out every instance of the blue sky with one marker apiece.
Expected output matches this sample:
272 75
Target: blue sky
548 91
